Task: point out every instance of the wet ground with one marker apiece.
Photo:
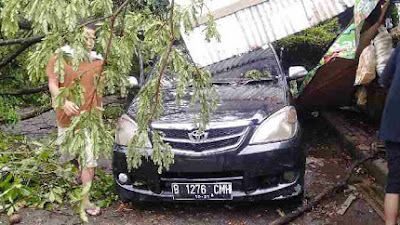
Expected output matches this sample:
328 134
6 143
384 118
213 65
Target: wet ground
44 125
327 163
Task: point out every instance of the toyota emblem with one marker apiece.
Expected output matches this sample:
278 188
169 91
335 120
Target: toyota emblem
198 136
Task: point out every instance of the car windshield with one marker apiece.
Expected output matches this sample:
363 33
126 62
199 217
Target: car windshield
258 65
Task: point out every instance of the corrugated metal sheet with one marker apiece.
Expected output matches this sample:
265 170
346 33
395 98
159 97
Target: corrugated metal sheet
264 21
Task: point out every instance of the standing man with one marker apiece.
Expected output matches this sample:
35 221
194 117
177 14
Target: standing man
87 71
390 133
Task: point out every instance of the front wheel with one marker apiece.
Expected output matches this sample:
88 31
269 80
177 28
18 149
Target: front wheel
123 199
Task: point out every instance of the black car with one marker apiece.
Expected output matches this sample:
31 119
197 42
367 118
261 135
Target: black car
249 151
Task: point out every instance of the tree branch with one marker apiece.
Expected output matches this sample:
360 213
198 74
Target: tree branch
7 77
26 91
113 18
114 15
15 54
166 60
27 42
141 72
34 39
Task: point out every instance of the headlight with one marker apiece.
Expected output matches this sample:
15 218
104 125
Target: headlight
280 126
126 129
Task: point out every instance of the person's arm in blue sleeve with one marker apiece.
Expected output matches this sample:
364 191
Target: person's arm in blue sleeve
387 76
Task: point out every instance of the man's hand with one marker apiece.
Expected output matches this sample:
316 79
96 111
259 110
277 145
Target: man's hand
71 108
384 9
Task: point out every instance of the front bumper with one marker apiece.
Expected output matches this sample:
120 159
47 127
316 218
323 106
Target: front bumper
256 172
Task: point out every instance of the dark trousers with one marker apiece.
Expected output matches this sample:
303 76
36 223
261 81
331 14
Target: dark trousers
393 159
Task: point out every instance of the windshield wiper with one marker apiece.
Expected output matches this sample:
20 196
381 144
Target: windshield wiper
242 81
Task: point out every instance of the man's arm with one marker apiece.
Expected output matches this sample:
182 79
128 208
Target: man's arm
70 108
370 33
54 86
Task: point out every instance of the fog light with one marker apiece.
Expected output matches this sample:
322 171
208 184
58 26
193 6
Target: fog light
123 178
290 176
270 181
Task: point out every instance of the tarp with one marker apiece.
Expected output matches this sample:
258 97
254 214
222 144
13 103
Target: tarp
346 44
333 85
343 47
330 81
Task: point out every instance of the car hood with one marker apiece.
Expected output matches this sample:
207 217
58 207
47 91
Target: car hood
235 103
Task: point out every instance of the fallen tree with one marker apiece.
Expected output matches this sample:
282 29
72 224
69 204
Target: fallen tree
34 39
9 58
26 91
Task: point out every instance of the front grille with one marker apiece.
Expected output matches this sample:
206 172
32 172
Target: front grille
200 147
199 175
217 139
215 133
225 132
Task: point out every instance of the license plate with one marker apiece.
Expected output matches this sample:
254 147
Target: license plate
202 191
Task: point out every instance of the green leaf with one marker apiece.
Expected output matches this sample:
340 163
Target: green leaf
10 211
52 197
42 204
83 216
48 206
6 181
25 191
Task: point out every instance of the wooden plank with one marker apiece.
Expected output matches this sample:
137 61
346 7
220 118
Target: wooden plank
346 204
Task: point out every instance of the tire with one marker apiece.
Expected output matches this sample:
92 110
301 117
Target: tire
124 200
297 200
122 194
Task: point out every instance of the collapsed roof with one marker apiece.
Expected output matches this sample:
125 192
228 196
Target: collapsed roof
245 25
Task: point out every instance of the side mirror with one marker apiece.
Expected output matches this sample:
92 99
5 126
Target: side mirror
297 72
133 82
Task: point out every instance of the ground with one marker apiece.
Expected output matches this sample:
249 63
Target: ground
327 164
